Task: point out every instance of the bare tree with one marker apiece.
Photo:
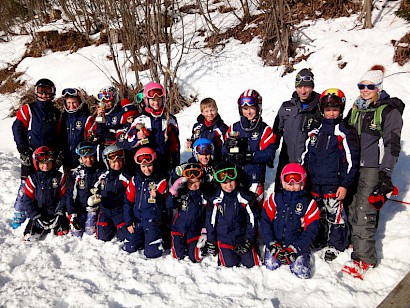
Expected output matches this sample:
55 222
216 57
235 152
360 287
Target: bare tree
368 5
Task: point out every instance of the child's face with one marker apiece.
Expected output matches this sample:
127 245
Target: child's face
88 160
292 186
116 164
130 119
249 112
209 113
155 102
72 103
45 166
228 186
204 159
331 112
194 184
147 169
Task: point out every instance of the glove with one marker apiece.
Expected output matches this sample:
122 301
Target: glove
202 241
287 255
231 143
41 222
249 157
74 222
243 248
177 185
274 249
56 221
381 192
61 224
212 249
25 157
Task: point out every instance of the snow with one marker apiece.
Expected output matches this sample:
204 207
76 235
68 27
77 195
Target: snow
72 272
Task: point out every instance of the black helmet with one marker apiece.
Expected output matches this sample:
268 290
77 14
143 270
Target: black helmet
44 82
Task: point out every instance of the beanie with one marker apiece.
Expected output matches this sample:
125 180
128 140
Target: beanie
375 75
304 78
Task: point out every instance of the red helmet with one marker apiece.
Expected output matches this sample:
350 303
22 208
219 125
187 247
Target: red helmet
293 172
43 154
145 155
333 97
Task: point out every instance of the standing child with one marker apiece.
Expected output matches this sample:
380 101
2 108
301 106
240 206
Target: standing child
189 219
231 221
109 195
250 142
81 216
42 194
211 126
144 206
289 224
332 160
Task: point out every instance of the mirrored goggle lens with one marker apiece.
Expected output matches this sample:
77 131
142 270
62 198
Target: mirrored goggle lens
116 155
303 78
44 157
332 101
368 86
45 90
192 173
222 175
87 150
144 158
70 92
153 92
289 177
204 149
246 101
104 96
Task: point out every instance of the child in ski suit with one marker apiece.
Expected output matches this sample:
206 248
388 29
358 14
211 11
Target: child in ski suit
144 206
210 126
332 161
290 223
231 221
42 195
186 196
250 142
81 216
109 195
37 124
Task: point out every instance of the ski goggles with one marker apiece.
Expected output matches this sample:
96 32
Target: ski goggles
204 149
43 157
44 90
70 92
225 174
192 172
115 155
151 93
139 98
300 78
246 101
86 150
104 96
295 177
371 87
332 101
144 158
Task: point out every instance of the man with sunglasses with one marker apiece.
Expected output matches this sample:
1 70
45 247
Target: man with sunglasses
294 120
37 124
378 119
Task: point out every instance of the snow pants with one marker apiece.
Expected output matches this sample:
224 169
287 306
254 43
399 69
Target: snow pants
147 236
109 224
364 218
227 257
183 245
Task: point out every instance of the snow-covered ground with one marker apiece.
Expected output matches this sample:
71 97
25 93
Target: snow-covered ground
72 272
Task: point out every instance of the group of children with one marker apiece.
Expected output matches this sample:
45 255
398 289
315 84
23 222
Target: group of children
212 204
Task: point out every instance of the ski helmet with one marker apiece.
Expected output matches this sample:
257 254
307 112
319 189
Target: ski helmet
251 98
151 90
108 93
203 146
294 172
112 152
71 92
332 97
41 155
145 155
128 110
41 86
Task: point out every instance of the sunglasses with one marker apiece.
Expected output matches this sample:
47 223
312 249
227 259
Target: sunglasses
43 157
45 90
70 92
192 173
104 96
246 101
295 177
371 87
228 173
144 158
299 79
204 149
86 150
116 155
153 92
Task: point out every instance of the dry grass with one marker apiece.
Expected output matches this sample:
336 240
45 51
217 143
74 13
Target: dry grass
402 50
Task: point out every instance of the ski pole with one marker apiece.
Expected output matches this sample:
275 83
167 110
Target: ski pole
400 201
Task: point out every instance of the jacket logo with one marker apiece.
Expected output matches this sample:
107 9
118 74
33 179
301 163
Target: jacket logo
102 185
121 137
114 120
81 184
220 209
184 205
299 208
54 182
78 124
255 135
313 140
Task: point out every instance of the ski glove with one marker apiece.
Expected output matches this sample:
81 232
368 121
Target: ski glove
287 255
41 222
381 192
212 248
25 157
202 241
243 248
274 248
177 185
74 222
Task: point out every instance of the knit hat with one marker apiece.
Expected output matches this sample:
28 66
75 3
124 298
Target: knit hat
128 110
375 75
304 79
